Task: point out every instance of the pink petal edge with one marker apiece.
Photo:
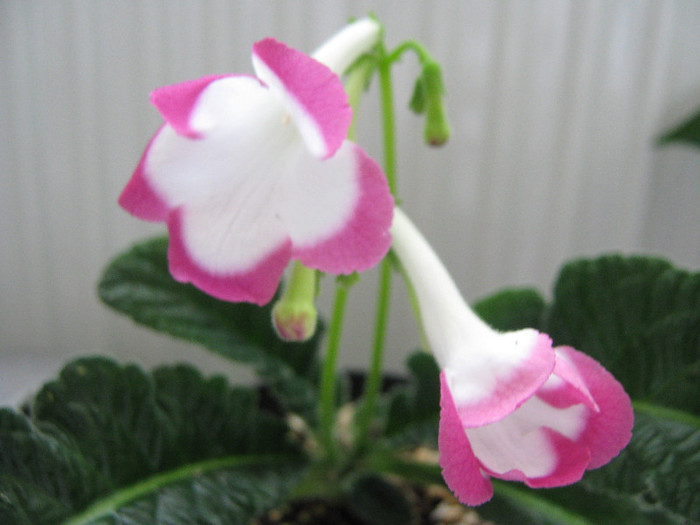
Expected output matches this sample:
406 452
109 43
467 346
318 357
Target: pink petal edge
138 197
610 430
365 238
460 467
176 103
312 86
257 285
514 389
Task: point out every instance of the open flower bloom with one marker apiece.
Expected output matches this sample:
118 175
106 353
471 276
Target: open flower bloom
250 172
512 407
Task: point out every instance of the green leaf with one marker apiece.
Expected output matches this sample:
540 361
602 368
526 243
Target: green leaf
42 472
138 284
376 501
687 131
659 469
639 318
106 443
233 491
512 309
413 409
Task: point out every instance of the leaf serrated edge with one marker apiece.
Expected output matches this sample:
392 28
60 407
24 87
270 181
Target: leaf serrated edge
110 504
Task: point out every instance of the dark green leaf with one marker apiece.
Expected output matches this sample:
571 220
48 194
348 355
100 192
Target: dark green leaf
42 472
107 443
639 318
413 409
230 492
376 501
659 469
687 131
138 283
571 505
512 309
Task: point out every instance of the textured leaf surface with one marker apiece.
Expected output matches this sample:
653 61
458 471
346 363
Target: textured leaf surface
106 443
413 409
138 284
512 309
637 316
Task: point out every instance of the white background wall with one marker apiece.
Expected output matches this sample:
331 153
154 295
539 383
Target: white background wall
554 106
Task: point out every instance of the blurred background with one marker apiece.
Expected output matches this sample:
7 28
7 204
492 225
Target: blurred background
554 106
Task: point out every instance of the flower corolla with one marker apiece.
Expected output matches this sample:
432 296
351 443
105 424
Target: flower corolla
251 172
512 406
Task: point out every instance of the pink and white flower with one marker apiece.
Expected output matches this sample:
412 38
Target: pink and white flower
250 172
512 407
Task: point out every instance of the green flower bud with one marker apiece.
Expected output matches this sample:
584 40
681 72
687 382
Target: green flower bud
294 315
437 128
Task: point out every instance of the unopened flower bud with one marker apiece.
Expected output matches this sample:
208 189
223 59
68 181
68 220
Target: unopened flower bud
294 315
428 98
437 129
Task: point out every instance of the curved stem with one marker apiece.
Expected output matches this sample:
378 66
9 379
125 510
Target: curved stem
374 377
411 45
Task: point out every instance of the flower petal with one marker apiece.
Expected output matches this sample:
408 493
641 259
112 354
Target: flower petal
535 444
243 137
202 251
347 45
338 211
139 197
500 374
609 430
460 468
312 94
177 103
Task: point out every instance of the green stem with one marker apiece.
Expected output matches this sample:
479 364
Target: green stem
328 374
357 79
388 118
411 45
374 377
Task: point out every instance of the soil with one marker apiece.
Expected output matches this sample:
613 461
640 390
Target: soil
433 506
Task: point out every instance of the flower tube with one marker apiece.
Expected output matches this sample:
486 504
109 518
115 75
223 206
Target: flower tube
251 172
512 406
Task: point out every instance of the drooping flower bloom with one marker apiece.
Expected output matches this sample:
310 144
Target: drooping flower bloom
512 407
249 172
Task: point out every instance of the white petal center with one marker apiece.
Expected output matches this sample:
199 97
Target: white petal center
519 442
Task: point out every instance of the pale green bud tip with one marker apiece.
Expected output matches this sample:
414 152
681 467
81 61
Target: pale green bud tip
294 321
437 129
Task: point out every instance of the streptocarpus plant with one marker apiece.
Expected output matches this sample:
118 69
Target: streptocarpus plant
252 174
